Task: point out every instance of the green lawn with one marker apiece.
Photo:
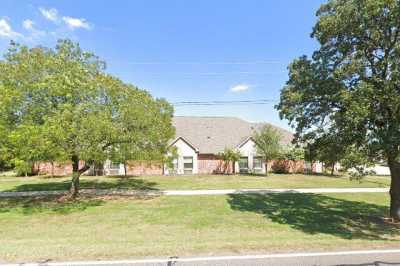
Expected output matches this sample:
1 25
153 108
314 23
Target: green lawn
34 229
191 182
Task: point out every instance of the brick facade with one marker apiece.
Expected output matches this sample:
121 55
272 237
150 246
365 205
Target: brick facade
207 164
144 168
56 168
286 166
65 168
211 164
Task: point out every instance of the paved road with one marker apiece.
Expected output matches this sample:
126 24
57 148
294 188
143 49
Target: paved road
350 258
194 192
354 260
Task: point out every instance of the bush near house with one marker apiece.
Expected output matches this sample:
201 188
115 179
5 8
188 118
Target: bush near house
229 157
290 160
287 166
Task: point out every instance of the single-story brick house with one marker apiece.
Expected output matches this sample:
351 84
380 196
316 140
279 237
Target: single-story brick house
198 141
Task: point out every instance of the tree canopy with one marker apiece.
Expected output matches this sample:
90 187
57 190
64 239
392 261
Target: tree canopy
268 144
350 89
60 104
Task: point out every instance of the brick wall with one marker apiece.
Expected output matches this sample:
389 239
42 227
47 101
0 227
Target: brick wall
144 168
207 164
65 168
56 169
287 166
211 164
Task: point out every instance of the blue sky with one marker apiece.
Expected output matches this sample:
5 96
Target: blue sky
180 50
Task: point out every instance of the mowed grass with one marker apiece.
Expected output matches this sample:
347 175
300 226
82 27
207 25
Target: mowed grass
43 229
192 182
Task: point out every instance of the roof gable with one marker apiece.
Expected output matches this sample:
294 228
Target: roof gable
241 144
186 141
211 135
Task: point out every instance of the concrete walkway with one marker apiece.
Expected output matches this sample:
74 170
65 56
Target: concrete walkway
104 192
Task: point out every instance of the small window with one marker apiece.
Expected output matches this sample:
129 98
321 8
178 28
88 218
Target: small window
243 164
114 165
188 165
257 162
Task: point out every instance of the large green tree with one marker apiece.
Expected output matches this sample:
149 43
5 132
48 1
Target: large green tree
350 88
6 118
63 106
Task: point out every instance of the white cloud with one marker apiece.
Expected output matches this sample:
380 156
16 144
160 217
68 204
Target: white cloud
240 88
50 14
7 31
28 24
74 23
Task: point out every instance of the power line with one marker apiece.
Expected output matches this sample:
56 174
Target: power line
214 103
209 63
216 74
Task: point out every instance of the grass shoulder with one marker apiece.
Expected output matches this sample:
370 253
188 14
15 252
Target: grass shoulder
115 228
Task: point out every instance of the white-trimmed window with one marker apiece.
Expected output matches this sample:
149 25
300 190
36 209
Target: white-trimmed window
114 168
188 165
244 164
257 164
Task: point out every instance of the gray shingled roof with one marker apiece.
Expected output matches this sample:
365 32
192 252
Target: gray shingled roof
211 135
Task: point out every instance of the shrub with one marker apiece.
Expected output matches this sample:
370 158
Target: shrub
280 167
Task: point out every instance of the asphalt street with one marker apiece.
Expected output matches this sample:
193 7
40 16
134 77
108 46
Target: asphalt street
306 259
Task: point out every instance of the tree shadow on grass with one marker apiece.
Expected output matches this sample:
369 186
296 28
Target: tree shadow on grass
47 204
132 183
315 214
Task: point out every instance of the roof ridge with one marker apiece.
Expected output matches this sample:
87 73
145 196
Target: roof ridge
267 123
237 118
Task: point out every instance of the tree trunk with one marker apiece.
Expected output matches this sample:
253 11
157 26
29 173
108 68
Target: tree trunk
394 189
333 169
266 168
52 169
74 190
125 174
233 167
76 173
